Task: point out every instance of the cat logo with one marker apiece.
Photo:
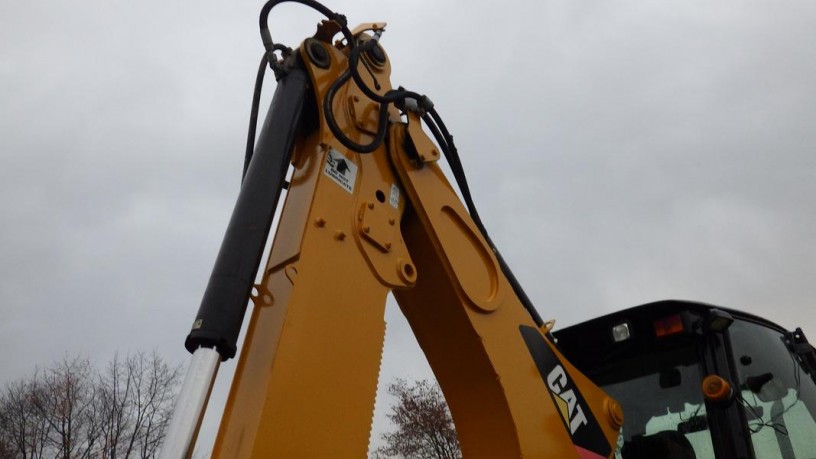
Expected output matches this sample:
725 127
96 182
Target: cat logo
579 422
567 401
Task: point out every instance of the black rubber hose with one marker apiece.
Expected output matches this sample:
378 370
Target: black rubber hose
263 18
443 144
435 123
253 115
328 112
438 128
392 96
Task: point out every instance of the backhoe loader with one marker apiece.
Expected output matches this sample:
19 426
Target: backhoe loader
368 212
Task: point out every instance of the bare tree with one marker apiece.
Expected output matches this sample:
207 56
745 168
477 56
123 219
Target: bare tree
153 385
133 405
6 450
115 386
64 402
73 411
23 433
424 428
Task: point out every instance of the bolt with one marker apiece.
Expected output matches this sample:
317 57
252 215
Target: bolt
391 221
377 55
340 235
366 229
614 413
356 98
318 54
320 222
388 245
370 205
406 272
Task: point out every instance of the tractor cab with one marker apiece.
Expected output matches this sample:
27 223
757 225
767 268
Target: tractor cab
700 381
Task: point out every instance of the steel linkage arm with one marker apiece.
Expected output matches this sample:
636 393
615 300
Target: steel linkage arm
354 227
510 391
368 211
307 371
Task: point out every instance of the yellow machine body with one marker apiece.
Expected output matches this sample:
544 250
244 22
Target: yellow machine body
353 228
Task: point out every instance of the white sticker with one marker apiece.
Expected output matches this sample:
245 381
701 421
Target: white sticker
393 198
341 170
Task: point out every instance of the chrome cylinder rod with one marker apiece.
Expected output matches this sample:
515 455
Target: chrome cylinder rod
188 413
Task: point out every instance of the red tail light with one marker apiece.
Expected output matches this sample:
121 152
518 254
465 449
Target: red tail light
668 326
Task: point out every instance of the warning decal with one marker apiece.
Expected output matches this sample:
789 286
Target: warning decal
341 170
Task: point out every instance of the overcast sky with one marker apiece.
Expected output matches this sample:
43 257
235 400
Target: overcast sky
619 153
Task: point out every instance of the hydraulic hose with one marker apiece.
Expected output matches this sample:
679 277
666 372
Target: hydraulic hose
394 96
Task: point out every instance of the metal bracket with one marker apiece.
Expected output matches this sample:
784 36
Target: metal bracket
425 149
365 113
377 227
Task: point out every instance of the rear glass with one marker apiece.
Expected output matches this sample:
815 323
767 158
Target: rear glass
662 402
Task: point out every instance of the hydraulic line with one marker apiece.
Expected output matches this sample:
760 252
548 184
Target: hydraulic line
395 96
335 129
445 141
253 115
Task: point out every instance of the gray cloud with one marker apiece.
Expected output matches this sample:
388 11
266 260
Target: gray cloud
619 153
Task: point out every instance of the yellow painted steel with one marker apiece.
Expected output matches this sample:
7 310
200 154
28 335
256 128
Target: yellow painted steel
466 319
307 373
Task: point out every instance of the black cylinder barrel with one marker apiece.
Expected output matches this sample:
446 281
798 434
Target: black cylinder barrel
222 309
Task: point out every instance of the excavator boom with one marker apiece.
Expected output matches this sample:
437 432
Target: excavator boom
368 211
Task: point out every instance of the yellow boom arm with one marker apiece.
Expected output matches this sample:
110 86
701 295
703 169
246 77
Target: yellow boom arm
355 227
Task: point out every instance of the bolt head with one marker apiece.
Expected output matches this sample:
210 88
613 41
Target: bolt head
318 54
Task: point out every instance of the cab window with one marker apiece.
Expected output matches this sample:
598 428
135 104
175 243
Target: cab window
778 397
